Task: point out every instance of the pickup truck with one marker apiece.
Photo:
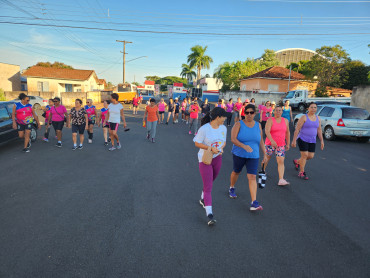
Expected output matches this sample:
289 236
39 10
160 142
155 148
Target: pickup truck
299 99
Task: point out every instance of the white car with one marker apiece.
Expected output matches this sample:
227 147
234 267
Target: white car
36 102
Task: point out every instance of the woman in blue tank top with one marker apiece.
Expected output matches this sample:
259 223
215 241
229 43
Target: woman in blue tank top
246 136
287 111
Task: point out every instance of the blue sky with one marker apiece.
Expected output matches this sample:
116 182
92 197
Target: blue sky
26 45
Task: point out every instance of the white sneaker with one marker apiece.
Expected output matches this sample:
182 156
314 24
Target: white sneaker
90 141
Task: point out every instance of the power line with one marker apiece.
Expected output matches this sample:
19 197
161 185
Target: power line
182 33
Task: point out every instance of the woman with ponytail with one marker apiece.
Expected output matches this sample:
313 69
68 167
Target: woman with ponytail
211 136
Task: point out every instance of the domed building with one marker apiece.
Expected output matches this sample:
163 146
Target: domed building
293 55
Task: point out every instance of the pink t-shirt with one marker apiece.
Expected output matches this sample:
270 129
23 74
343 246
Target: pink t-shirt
161 106
278 132
238 106
57 113
230 107
266 113
194 115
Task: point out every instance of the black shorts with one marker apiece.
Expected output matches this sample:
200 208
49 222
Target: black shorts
250 163
58 125
113 126
106 125
23 127
135 105
78 129
177 111
305 146
161 112
170 110
92 122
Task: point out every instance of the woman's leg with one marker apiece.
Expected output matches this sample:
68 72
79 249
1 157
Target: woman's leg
74 139
302 161
46 134
190 124
206 172
168 116
59 135
252 186
148 128
195 125
105 134
82 138
153 129
111 135
281 167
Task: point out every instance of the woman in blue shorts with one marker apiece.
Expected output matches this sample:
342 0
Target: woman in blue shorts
246 136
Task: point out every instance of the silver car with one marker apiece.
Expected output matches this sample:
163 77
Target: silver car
36 102
342 120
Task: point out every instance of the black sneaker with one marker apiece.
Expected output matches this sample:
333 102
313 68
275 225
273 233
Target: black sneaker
80 147
29 144
201 202
211 221
109 140
74 148
105 143
59 145
26 150
148 136
166 123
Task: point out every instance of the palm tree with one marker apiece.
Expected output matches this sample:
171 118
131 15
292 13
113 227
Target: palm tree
187 72
198 59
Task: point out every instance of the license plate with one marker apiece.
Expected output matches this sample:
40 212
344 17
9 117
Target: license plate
358 133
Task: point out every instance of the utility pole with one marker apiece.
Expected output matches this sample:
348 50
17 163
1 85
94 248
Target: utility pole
124 57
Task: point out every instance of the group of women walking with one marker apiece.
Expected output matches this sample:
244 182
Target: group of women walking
248 142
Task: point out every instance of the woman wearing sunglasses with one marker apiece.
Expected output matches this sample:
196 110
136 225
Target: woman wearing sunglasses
57 115
277 141
23 116
246 136
265 113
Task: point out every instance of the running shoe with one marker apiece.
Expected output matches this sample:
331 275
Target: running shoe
283 182
201 202
80 147
296 164
148 136
255 206
189 132
90 141
303 175
211 220
166 123
109 140
195 133
45 140
111 148
59 145
105 143
119 146
187 123
232 193
29 145
74 148
153 141
26 150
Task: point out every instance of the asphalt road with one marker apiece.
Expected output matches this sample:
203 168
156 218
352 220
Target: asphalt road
134 212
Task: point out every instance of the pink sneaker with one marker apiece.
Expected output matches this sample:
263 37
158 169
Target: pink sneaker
189 132
196 133
283 182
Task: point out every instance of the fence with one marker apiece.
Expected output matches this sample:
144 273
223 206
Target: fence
259 97
67 98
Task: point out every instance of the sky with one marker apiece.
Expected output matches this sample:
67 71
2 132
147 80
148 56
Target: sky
233 30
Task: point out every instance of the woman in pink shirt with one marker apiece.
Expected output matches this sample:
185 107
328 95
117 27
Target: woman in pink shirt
135 104
183 109
265 113
237 107
161 108
194 110
277 141
229 110
58 115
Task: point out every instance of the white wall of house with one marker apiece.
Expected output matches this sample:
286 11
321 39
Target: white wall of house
210 84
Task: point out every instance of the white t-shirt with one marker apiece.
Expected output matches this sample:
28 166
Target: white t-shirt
115 113
209 136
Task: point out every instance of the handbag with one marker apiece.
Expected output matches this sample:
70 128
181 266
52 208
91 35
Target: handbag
44 114
207 156
262 177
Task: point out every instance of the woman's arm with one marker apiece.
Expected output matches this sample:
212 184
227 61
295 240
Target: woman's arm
87 121
291 114
298 128
123 118
205 147
262 145
287 135
319 134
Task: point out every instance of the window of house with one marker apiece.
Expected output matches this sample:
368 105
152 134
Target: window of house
69 87
244 87
273 87
43 86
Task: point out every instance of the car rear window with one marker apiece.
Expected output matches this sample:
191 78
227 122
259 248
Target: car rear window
355 113
4 115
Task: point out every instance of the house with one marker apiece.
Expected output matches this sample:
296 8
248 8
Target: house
210 88
10 77
56 80
102 84
149 85
276 79
178 91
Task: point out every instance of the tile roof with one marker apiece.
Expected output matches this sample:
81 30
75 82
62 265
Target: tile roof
277 72
178 85
102 82
55 73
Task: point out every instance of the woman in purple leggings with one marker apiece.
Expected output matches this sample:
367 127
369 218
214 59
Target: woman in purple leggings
212 134
308 127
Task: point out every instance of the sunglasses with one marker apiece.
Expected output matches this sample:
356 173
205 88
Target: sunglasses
247 113
27 100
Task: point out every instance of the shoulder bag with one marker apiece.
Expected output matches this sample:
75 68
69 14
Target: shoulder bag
207 156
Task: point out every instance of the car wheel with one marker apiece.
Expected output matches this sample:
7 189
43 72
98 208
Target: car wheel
329 133
363 139
33 135
37 106
301 108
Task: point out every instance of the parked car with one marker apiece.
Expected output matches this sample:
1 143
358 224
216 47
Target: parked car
7 133
342 120
36 102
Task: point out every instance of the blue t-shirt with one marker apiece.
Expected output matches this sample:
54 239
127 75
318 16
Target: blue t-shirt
250 136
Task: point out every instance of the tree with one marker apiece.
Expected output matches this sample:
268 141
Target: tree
355 73
187 72
109 85
198 59
152 78
268 59
136 83
57 65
